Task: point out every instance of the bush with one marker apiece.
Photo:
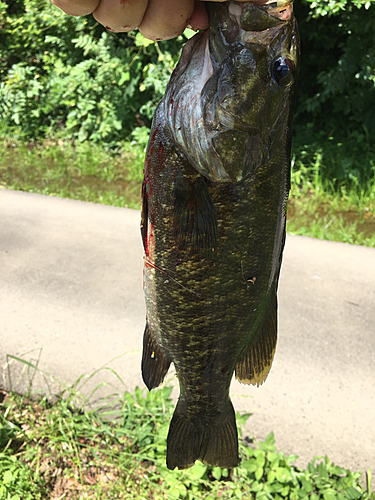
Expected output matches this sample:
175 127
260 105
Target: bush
337 88
69 76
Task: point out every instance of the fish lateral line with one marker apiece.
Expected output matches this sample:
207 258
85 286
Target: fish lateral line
163 271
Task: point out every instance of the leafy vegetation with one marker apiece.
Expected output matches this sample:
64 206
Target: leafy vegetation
55 448
81 101
320 209
89 172
86 172
70 78
337 88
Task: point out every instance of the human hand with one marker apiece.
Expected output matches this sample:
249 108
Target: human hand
156 19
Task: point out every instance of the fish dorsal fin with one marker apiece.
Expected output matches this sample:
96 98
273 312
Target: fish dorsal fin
155 362
195 222
255 366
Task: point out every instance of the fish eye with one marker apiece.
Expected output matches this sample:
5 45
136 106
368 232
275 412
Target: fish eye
282 71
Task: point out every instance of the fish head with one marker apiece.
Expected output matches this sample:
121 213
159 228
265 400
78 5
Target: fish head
257 48
234 86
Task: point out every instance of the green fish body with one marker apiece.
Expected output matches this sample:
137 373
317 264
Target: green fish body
216 182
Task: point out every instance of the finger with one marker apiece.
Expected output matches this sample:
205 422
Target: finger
163 20
199 18
120 15
77 7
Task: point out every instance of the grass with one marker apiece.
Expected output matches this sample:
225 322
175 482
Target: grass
85 172
55 448
113 177
318 209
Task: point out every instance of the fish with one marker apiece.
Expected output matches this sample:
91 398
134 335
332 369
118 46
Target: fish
214 196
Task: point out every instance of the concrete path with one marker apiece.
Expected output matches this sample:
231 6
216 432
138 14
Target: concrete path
71 301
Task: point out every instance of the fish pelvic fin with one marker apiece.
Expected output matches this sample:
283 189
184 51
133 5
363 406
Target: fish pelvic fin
155 362
214 443
255 366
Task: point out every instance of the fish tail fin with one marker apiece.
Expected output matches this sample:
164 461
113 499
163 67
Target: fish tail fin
214 443
256 364
219 446
155 362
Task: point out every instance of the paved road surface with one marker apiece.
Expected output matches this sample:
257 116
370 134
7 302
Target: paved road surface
71 296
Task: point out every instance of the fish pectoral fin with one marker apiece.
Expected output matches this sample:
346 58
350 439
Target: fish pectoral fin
255 366
155 362
214 442
195 222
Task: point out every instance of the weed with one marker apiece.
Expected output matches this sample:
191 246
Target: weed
54 449
113 176
321 209
85 172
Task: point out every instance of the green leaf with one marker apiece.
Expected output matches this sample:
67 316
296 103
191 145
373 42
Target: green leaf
258 473
250 465
285 491
329 495
352 493
8 477
271 475
188 33
291 458
256 486
216 472
307 485
242 418
198 470
260 457
272 456
270 439
283 475
141 41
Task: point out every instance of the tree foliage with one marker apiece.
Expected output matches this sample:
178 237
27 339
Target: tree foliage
338 68
336 100
68 76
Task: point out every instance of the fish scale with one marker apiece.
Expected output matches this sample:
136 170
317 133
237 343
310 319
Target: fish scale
214 196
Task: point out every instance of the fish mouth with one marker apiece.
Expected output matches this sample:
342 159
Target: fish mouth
282 9
259 20
279 12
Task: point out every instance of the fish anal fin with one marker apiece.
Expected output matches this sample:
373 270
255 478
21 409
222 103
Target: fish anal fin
214 443
155 362
255 366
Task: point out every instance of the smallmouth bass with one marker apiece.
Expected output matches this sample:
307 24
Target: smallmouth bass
216 183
